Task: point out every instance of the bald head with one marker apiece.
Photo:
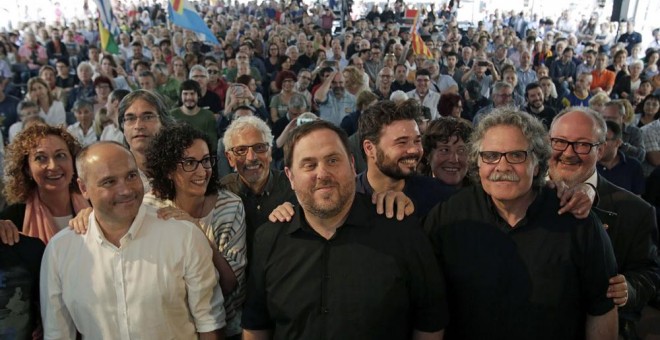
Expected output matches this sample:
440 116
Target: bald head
100 152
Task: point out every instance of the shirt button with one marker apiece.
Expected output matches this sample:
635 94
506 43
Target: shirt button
325 311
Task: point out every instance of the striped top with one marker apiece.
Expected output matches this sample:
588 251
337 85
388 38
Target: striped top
225 227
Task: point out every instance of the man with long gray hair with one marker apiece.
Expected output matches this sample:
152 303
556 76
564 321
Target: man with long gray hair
514 267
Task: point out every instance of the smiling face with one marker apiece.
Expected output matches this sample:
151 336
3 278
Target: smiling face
50 164
503 181
252 168
398 151
449 161
112 183
322 174
567 165
192 183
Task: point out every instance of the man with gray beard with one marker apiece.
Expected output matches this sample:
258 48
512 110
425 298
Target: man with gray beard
514 268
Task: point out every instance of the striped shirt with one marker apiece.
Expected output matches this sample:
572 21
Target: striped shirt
225 227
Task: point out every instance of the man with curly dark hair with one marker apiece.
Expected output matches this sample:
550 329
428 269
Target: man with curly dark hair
392 145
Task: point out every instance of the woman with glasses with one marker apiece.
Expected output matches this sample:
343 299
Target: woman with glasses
184 185
445 144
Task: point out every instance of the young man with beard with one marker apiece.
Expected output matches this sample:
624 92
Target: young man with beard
199 118
392 145
535 106
338 269
400 82
577 136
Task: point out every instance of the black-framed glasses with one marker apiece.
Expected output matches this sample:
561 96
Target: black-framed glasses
242 150
191 164
580 148
513 157
130 119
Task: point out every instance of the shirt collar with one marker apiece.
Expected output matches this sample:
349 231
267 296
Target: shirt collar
358 216
246 191
593 179
97 235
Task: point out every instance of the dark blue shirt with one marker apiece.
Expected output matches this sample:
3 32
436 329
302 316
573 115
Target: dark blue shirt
8 114
425 192
627 174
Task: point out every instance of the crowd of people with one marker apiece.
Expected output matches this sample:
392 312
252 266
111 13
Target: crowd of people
301 181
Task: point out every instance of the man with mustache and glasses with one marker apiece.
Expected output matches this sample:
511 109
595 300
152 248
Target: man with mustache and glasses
338 269
392 146
577 138
514 268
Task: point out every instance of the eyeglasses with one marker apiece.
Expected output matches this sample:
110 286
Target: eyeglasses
494 157
191 164
130 120
242 150
580 148
505 95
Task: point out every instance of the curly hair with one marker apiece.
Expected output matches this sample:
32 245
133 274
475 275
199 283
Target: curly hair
447 103
164 153
374 118
531 128
19 185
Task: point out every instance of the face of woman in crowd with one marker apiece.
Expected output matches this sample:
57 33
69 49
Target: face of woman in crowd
193 183
449 161
38 92
50 164
48 76
651 107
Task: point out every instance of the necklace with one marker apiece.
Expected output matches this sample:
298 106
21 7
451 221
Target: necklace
196 212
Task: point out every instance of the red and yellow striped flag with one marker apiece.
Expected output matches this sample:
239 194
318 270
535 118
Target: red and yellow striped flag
418 45
177 6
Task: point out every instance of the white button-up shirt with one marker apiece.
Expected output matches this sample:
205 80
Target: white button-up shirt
159 284
84 137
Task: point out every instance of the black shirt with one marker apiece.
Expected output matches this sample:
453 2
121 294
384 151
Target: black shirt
545 116
211 101
19 287
536 280
405 87
374 279
425 192
259 206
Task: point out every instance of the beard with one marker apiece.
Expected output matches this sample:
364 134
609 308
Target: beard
391 168
330 204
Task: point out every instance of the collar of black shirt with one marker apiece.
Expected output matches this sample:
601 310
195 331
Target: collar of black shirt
358 216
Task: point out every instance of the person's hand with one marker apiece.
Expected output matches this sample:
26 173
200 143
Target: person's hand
618 290
38 333
80 222
177 214
282 213
8 232
121 72
577 200
390 201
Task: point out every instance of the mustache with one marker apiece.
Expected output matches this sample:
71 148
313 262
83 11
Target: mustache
324 184
503 177
570 159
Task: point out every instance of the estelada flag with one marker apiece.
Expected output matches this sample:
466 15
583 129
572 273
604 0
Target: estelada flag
177 6
418 45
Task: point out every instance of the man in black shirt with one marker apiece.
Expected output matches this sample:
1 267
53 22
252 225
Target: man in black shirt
515 269
248 147
535 106
391 142
339 270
